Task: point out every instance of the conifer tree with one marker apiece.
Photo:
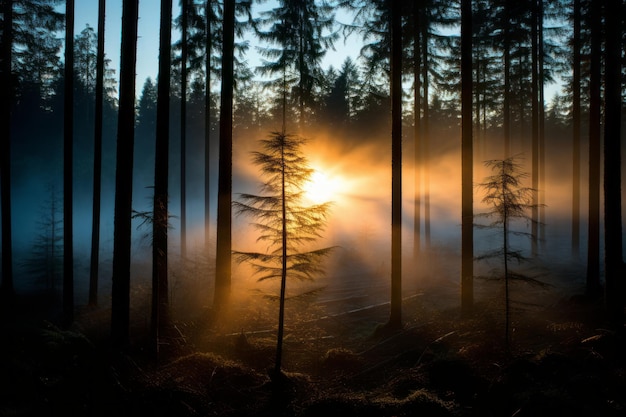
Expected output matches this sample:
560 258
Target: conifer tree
284 223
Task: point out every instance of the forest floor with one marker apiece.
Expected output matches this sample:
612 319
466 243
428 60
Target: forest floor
338 360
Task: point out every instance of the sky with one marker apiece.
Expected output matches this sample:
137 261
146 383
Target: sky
86 12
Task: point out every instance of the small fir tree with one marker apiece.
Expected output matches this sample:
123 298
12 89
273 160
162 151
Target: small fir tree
284 222
509 201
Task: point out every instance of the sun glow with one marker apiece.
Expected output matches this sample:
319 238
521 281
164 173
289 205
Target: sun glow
321 188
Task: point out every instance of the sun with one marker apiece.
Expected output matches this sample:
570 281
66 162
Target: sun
321 188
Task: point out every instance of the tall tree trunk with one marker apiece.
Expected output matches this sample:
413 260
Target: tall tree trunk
395 318
542 130
68 163
207 129
97 159
160 299
425 129
593 248
467 190
183 132
612 165
417 205
5 148
576 132
506 117
283 270
534 93
225 181
120 291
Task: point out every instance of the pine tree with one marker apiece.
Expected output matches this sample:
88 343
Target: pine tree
284 223
509 200
298 29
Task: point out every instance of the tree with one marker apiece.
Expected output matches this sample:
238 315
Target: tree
509 200
97 159
593 247
535 122
120 295
68 163
6 92
284 223
467 191
183 129
298 29
612 165
223 267
576 67
160 301
45 262
395 317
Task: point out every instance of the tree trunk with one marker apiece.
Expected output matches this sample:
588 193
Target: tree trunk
207 130
467 190
417 205
68 163
576 132
542 133
534 93
5 148
506 117
160 299
425 128
97 159
395 318
593 248
183 132
612 166
225 180
283 272
120 294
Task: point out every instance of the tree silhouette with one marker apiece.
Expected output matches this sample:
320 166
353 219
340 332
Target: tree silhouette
160 301
612 166
97 159
120 293
68 163
283 221
395 317
223 267
467 161
595 116
5 146
509 200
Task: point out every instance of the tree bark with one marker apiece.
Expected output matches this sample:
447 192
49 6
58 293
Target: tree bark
160 299
417 203
225 181
120 292
593 247
207 129
425 129
5 148
612 166
506 117
183 131
395 318
534 93
68 163
97 159
576 132
467 190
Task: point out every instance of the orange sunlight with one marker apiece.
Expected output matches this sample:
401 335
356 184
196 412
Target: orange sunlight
322 188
